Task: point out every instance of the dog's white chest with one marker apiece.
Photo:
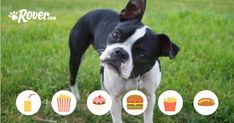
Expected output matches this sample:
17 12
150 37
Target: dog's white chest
117 86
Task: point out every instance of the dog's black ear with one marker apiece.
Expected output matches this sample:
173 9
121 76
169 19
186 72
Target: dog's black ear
167 48
134 10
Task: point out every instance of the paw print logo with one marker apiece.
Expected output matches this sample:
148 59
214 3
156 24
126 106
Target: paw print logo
13 15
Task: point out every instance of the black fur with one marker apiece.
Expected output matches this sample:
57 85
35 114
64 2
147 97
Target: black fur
104 27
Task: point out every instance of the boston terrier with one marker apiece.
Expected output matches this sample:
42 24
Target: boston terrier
129 51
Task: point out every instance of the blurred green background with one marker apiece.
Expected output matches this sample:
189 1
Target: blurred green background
34 56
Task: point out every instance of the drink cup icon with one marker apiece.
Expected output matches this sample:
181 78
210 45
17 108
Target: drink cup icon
27 104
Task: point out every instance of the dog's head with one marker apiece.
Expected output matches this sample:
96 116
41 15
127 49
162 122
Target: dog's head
132 48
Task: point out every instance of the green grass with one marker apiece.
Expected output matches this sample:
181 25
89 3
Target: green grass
34 55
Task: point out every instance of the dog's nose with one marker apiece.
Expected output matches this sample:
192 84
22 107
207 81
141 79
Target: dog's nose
119 54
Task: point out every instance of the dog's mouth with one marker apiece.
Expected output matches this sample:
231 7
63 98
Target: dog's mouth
113 65
116 66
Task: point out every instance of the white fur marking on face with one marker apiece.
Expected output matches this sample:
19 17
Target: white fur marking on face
135 36
127 67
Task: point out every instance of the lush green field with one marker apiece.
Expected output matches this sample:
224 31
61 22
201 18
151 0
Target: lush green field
34 55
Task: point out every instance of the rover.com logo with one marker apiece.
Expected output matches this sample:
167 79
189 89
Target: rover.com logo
24 15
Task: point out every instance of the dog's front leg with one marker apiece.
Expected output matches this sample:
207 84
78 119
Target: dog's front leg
116 109
115 87
148 114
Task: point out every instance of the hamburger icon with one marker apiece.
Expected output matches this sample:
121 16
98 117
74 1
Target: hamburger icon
134 102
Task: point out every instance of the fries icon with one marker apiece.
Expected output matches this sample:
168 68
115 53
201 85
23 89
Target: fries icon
170 103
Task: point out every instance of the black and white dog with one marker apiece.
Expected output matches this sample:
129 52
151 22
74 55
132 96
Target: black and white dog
128 51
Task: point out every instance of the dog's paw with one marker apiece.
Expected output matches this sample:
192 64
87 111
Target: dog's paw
77 95
75 91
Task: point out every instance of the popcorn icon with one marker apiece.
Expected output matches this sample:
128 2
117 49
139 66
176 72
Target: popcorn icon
63 103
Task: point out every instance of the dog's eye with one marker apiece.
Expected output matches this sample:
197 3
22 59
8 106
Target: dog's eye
115 36
141 58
